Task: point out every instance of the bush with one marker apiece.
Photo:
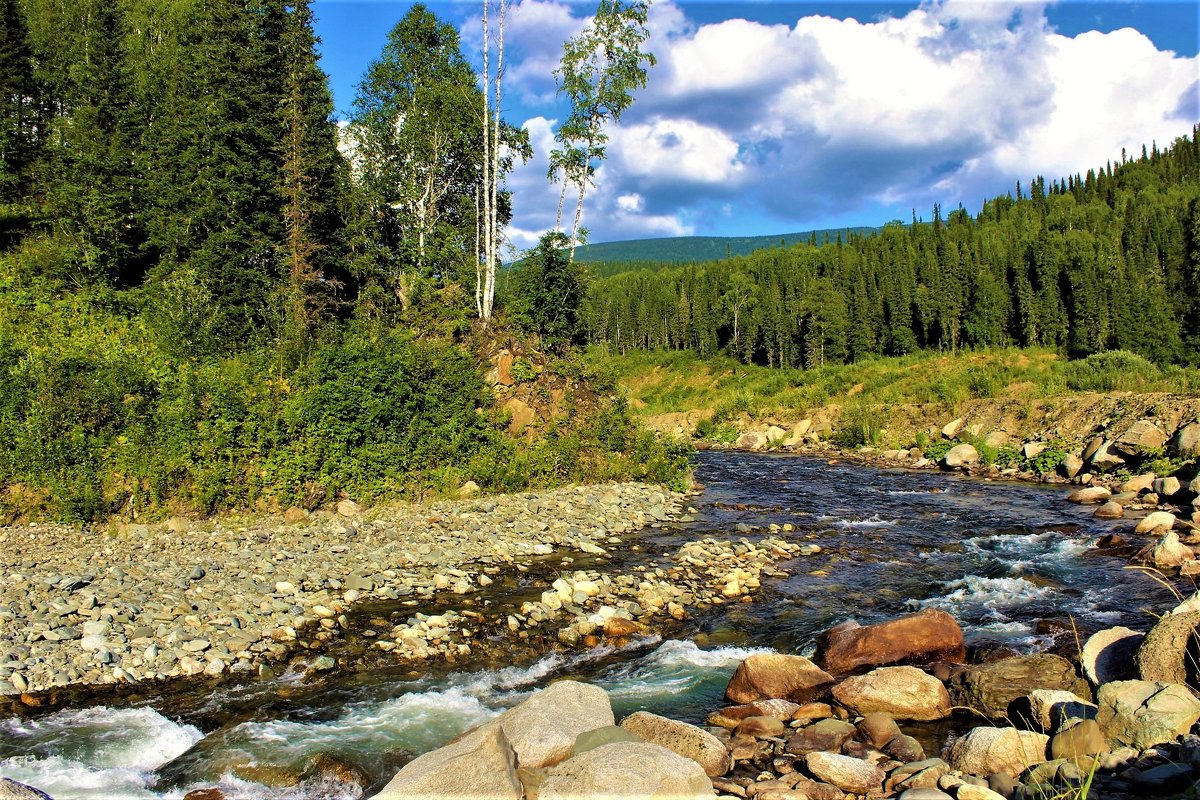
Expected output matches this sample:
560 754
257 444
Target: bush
1115 370
858 427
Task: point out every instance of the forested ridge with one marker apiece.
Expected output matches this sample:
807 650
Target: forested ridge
1085 264
212 296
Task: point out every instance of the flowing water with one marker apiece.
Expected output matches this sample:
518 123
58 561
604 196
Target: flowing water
1012 562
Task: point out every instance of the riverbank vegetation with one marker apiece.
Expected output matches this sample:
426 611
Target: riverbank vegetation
211 299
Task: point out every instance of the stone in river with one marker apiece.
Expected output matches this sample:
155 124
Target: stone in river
922 638
775 675
902 692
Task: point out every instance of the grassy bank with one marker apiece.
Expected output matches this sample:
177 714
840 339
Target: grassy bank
663 382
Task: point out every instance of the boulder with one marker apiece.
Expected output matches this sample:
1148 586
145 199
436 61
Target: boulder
1170 552
1089 494
1103 460
751 441
590 740
904 748
1080 743
922 638
1142 714
1155 522
1050 708
1032 450
775 434
951 429
1139 483
760 727
1169 651
679 737
1070 466
468 489
479 764
846 773
1142 438
730 716
962 455
766 675
969 791
983 751
1108 655
877 729
990 688
626 769
1110 510
902 692
1167 487
1186 441
828 735
542 730
521 415
13 790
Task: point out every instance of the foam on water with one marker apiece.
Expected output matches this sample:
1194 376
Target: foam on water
974 597
674 668
874 521
95 751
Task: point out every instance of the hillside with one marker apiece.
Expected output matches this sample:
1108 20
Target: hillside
690 249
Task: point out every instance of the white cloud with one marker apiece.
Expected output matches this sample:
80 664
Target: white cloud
953 101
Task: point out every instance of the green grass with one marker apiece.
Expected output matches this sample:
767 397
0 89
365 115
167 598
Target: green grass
662 382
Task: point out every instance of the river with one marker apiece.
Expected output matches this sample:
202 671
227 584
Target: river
1012 562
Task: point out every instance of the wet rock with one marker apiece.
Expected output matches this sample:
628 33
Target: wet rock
626 769
13 790
844 772
921 638
902 692
983 751
1145 713
905 748
959 456
1070 466
760 727
480 764
828 735
1155 522
1089 494
773 675
990 688
679 737
1170 552
1108 655
1165 779
1167 487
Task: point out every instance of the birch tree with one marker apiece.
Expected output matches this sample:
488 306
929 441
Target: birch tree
600 70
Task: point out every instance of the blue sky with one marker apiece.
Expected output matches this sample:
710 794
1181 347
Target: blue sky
772 117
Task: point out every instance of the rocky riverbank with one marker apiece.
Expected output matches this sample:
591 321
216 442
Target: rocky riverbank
82 607
1109 726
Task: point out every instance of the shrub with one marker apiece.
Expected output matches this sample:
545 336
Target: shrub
1114 370
858 427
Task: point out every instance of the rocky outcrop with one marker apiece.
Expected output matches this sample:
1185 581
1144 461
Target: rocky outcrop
679 737
990 688
768 675
905 693
983 751
13 790
479 764
626 769
1144 713
922 638
542 730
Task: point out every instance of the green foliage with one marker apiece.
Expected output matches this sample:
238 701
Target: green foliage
1047 460
1115 370
711 431
523 371
859 426
545 292
934 451
1007 456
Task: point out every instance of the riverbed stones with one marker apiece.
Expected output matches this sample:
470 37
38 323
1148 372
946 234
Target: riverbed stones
1141 438
1145 713
828 735
1110 510
846 773
1051 708
776 675
921 638
679 737
542 729
1108 655
905 693
1080 743
960 456
984 750
1155 522
1090 495
480 764
626 769
877 729
990 688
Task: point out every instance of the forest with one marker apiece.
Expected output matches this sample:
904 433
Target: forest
1085 264
215 296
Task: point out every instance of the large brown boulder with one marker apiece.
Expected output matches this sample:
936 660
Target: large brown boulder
902 692
679 737
990 688
983 751
914 639
1142 438
766 675
480 764
626 769
1169 651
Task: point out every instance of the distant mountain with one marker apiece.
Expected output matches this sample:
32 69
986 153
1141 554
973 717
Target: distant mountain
685 249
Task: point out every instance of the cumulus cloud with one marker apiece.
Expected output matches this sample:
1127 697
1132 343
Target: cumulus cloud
811 121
